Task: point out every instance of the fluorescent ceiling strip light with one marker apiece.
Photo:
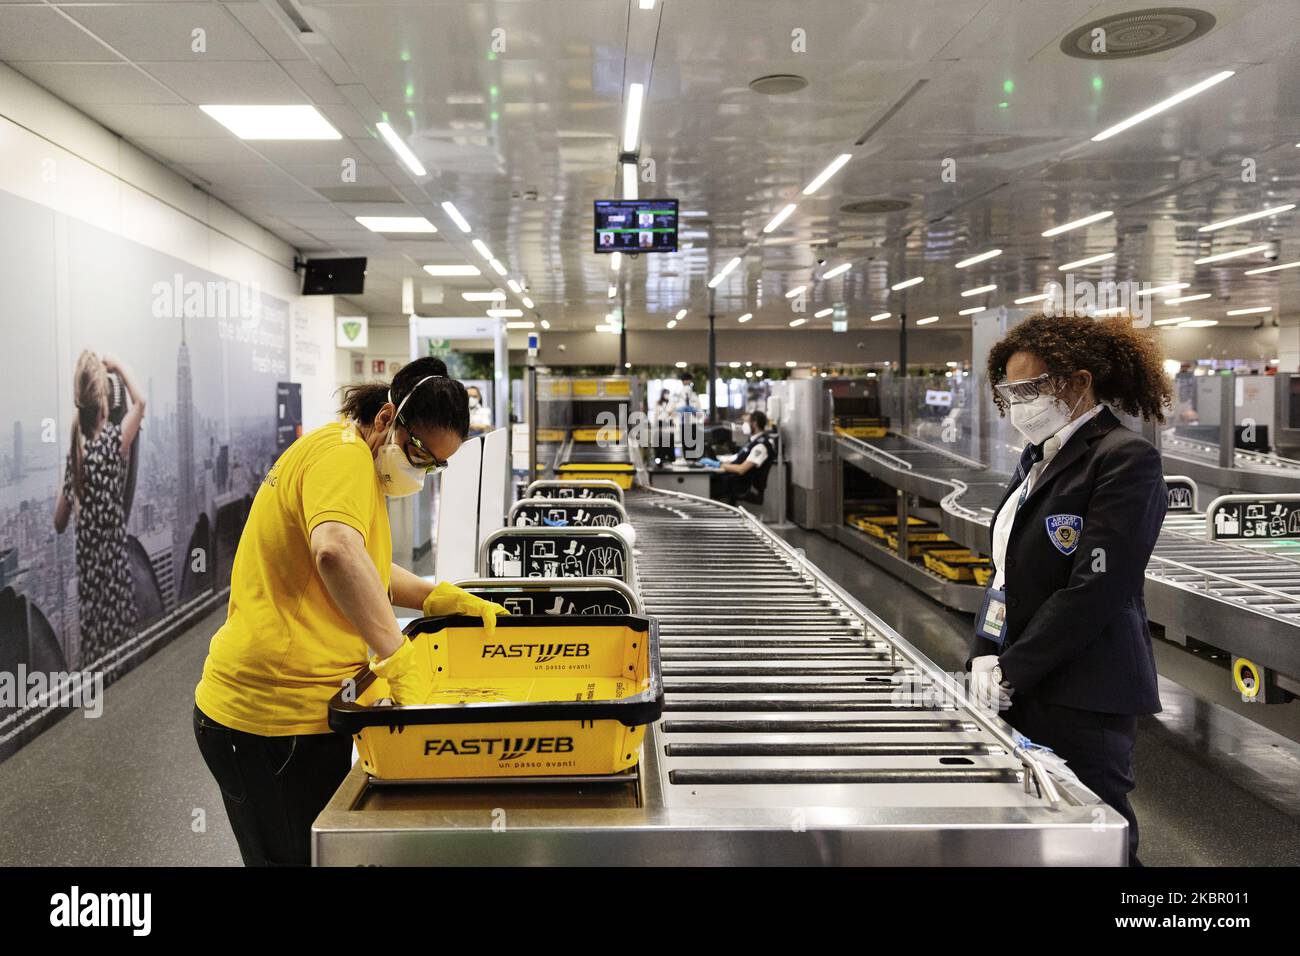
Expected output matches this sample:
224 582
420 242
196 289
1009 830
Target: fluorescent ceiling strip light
907 283
839 270
1284 265
1114 310
528 303
546 324
632 122
615 260
780 217
1248 251
273 122
980 290
1159 289
452 270
742 319
629 181
980 258
647 4
795 291
726 271
1078 223
795 323
1177 320
1163 105
403 152
396 223
613 291
973 310
520 325
515 287
927 320
827 173
1187 298
497 267
1236 220
880 316
1090 260
496 295
1033 298
681 314
821 314
483 250
672 323
454 214
1259 310
1199 324
505 313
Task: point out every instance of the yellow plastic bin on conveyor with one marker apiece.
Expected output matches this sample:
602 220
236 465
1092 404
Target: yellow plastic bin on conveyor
620 474
541 697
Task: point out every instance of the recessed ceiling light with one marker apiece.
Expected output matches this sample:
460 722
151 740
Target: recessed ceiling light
397 223
1090 260
1199 324
1284 265
615 260
399 147
528 303
1248 251
505 313
1176 320
880 316
726 271
927 320
795 323
273 122
681 314
546 323
1272 211
496 295
973 310
483 250
780 217
1260 310
1160 289
629 181
840 269
497 267
827 173
791 364
795 291
733 365
1187 298
451 270
822 313
980 290
907 283
454 215
515 287
1163 105
632 122
1025 300
647 4
520 325
672 323
1078 223
680 364
613 291
745 318
980 258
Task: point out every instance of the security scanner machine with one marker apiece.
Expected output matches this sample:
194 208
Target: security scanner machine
584 424
796 727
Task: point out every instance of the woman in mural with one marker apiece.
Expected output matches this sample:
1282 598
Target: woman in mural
94 486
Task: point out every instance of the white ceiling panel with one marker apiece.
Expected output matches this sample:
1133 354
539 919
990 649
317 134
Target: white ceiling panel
244 83
37 33
92 83
169 31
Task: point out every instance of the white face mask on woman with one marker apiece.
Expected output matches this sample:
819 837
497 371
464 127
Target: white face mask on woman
398 477
1041 418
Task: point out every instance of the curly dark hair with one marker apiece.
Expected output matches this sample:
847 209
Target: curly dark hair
1126 363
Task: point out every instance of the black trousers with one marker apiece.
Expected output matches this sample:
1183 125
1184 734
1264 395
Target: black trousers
273 787
1097 746
728 487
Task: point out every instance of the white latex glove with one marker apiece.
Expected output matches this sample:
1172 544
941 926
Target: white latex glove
985 693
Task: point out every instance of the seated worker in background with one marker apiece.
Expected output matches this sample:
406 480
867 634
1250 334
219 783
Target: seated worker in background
312 592
746 473
480 416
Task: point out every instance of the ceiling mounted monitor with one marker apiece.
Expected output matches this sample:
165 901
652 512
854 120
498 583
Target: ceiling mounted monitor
334 277
636 225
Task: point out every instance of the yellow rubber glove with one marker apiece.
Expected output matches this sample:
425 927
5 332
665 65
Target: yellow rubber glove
409 674
447 599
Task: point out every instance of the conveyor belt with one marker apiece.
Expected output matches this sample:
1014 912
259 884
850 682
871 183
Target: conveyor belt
783 741
1242 599
1253 472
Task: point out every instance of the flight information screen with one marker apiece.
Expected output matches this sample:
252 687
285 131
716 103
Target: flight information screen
636 225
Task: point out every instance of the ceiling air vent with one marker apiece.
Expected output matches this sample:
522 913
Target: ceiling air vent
1138 33
778 84
360 194
875 207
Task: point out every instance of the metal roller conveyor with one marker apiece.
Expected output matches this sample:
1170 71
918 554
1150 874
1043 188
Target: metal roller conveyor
787 737
1241 597
1252 471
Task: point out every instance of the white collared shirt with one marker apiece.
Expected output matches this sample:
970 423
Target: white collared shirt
1006 518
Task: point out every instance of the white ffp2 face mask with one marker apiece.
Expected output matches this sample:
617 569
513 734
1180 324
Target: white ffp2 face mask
398 477
1041 418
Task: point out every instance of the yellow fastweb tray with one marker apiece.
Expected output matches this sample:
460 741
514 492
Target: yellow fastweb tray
620 474
542 696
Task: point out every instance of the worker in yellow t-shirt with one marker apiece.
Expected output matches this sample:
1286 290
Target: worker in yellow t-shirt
312 592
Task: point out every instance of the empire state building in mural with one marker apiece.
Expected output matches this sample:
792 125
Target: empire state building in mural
186 502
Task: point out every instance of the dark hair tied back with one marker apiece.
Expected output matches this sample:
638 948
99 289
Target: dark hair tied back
441 402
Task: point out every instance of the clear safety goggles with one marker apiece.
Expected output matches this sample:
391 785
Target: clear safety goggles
1026 389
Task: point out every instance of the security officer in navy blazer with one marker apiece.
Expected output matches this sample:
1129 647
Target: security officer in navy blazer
1062 641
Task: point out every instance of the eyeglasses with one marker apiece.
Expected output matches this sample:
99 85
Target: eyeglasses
418 454
1024 390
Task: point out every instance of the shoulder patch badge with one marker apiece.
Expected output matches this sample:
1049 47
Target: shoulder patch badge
1064 531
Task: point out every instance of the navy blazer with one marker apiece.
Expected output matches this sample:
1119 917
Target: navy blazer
1077 632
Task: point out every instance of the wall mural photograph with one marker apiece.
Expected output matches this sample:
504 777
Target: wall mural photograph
141 407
